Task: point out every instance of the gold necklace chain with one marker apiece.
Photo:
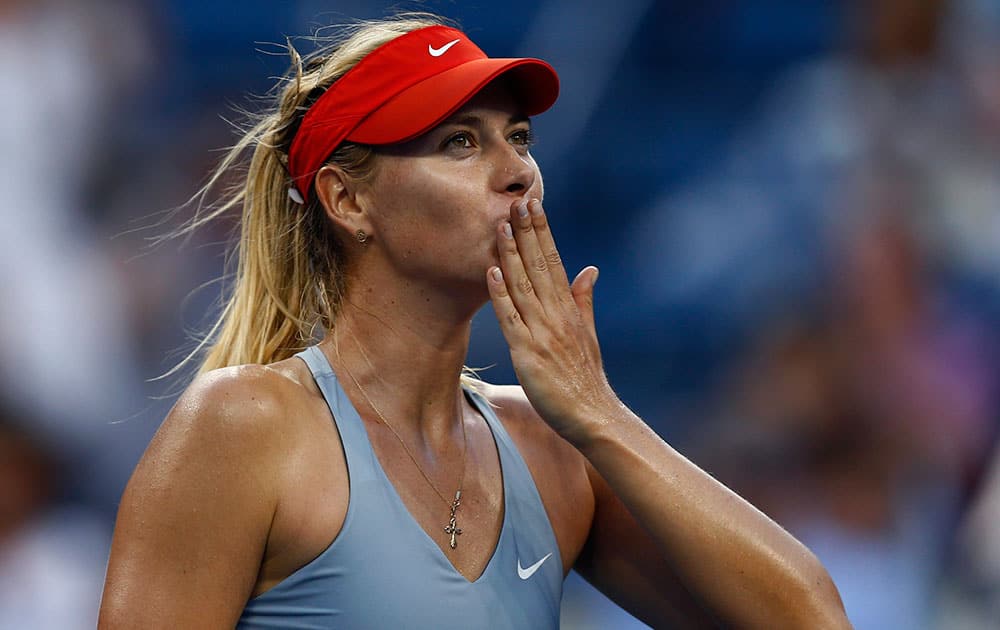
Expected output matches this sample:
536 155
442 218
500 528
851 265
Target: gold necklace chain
452 528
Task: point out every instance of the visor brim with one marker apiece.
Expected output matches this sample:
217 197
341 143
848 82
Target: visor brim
423 106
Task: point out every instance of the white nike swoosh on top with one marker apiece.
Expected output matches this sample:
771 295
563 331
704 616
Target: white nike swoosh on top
524 574
437 52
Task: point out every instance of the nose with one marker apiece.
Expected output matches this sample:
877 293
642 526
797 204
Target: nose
514 172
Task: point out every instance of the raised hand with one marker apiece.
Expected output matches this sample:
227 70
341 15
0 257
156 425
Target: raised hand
549 325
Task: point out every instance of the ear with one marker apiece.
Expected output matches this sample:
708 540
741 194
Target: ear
339 195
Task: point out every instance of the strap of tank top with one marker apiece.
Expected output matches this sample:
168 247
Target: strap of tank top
503 439
520 492
360 456
483 405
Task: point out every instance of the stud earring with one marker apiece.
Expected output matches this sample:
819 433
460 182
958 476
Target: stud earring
362 237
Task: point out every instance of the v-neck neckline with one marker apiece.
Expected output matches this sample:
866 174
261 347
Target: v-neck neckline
428 541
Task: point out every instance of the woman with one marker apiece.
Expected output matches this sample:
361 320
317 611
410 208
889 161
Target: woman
365 481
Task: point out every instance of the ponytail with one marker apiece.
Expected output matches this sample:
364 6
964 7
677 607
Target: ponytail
289 276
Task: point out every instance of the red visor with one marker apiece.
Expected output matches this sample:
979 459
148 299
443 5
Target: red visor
405 88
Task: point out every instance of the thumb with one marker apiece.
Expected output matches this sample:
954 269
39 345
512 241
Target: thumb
583 294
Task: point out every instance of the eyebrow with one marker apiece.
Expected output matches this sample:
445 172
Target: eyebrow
473 120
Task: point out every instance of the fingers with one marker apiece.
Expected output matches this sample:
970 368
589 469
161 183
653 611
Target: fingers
513 327
524 214
520 288
583 294
546 244
535 288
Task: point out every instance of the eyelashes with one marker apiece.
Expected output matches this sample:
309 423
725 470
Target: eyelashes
524 137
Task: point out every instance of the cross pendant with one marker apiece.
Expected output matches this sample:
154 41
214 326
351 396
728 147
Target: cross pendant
452 527
454 531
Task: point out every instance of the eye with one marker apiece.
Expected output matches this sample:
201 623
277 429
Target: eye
523 138
460 140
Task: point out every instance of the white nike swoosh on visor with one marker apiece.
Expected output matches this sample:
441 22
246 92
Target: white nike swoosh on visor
437 52
524 574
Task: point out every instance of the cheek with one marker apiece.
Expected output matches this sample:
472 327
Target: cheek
430 197
429 219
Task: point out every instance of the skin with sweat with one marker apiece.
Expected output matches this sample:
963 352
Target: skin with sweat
246 481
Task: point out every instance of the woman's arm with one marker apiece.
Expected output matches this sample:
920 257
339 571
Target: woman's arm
194 519
656 513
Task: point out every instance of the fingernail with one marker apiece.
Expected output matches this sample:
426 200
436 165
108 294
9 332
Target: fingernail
597 272
497 274
506 230
536 207
522 210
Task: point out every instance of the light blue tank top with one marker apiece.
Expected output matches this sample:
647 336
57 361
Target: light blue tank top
384 571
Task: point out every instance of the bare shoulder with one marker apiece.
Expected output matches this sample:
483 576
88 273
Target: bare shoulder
525 425
558 469
238 398
230 425
248 395
512 401
195 518
225 412
248 425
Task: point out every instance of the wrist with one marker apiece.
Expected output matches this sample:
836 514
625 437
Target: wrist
598 424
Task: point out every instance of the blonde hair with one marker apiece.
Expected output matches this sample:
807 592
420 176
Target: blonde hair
289 277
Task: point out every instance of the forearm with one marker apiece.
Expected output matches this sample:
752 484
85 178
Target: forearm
742 565
748 570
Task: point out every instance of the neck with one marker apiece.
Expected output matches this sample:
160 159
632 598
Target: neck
404 350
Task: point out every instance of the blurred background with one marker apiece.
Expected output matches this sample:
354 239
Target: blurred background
795 206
